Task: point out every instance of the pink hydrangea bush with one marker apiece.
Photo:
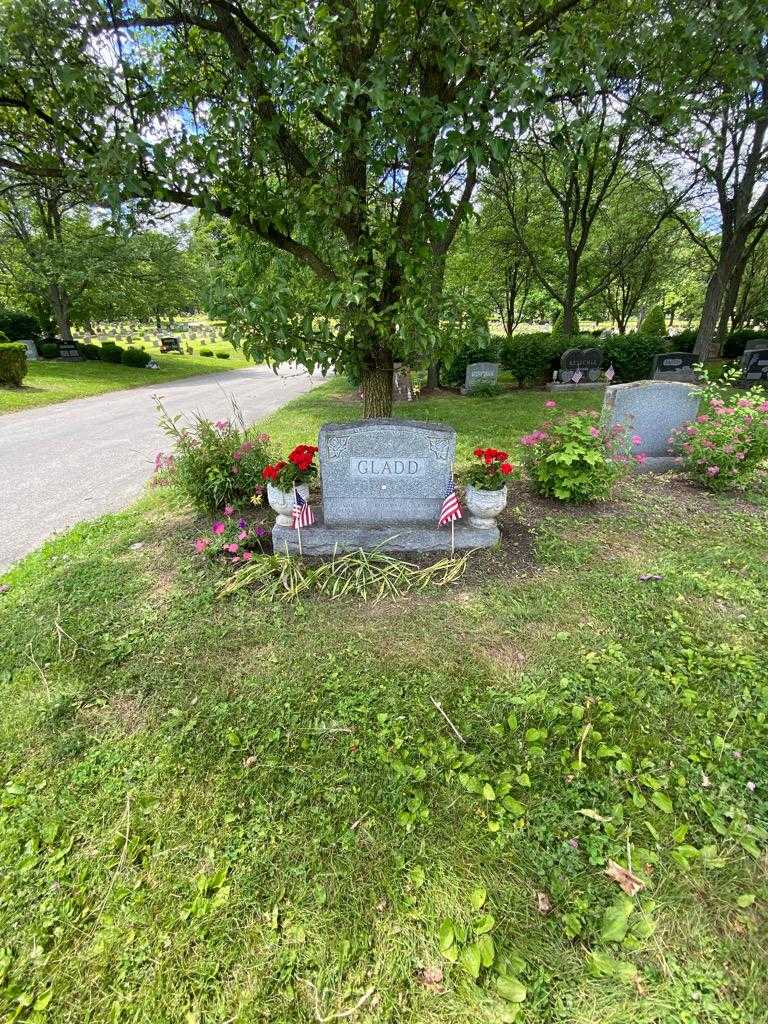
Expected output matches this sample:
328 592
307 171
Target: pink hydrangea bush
232 539
726 444
575 457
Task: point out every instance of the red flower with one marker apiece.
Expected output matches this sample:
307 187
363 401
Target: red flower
501 456
505 468
268 473
478 453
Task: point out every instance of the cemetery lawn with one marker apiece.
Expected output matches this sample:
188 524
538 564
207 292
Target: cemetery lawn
225 811
52 381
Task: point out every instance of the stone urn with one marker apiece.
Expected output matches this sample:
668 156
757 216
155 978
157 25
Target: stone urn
282 502
484 506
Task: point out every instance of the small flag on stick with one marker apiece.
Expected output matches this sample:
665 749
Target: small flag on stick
450 512
577 376
301 514
610 373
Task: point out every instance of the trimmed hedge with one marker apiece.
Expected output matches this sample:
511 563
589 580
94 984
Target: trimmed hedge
49 350
111 353
455 372
632 354
222 355
531 358
88 351
207 353
135 357
13 363
16 325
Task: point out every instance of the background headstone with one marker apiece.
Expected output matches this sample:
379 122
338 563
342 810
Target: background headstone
68 351
480 373
402 385
652 409
754 366
675 366
31 349
588 360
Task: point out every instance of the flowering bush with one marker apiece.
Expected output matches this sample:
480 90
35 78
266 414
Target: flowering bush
727 442
214 464
574 457
492 471
299 469
232 539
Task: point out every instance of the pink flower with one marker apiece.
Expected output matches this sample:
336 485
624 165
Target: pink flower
640 458
218 527
763 407
242 535
262 438
231 548
549 404
740 456
691 431
713 470
702 419
728 449
247 556
221 425
636 439
594 432
744 403
201 544
229 510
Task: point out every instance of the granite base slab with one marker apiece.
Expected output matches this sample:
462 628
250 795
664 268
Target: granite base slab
575 387
327 540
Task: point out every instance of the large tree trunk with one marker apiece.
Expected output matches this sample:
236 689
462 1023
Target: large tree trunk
730 253
377 392
59 301
433 376
569 299
729 303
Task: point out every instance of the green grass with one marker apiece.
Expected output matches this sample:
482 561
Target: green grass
225 811
51 381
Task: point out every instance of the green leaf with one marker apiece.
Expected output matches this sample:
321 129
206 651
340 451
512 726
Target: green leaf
446 935
511 989
484 924
663 802
471 959
745 900
616 920
487 949
478 897
488 792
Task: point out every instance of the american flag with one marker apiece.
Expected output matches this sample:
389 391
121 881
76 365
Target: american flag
301 514
577 376
451 509
610 373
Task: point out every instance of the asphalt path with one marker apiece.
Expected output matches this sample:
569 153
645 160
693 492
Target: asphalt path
74 461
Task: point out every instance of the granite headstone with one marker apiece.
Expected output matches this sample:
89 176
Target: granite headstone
652 409
754 367
383 484
31 349
170 345
675 366
480 373
586 360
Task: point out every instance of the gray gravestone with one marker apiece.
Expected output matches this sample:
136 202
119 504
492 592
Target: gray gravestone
675 366
402 384
583 364
31 349
652 409
480 373
754 367
170 345
383 482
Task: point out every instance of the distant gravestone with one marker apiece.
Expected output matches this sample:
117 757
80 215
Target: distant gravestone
652 409
383 483
675 366
31 349
68 351
480 373
402 385
580 366
754 367
170 345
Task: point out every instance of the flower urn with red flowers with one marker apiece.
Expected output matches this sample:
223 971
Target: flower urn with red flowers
486 492
288 477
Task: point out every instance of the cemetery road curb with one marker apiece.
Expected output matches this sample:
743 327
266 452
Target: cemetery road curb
79 459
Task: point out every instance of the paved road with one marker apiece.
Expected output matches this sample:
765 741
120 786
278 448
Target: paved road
79 459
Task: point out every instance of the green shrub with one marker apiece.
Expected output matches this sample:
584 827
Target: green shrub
531 358
13 363
486 389
737 341
111 353
222 355
15 325
574 457
49 350
654 323
206 352
88 351
215 465
631 355
135 357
